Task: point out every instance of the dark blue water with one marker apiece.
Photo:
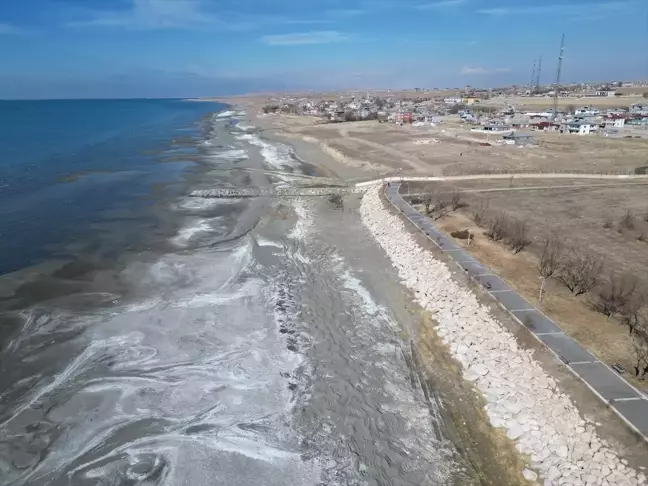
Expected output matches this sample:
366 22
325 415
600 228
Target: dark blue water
70 168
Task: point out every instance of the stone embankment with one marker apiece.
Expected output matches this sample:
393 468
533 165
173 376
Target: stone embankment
564 448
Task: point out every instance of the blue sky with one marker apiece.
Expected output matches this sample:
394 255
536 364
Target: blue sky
131 48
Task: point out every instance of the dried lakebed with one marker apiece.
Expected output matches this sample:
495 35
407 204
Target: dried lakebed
564 447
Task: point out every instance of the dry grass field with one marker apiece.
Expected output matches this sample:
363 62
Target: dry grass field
459 151
547 102
578 213
389 148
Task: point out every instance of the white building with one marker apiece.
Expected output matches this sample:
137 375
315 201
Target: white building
452 101
587 111
614 122
580 128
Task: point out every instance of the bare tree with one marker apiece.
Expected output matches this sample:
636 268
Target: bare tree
615 295
635 313
550 262
640 347
498 227
442 206
628 221
455 200
518 236
427 198
551 258
580 271
479 213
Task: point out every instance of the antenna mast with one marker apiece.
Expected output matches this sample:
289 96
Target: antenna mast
557 86
537 80
533 76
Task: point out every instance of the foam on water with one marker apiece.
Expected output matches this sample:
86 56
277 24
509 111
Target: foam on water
233 154
353 284
265 242
226 114
275 154
244 127
304 220
198 204
195 228
261 358
202 366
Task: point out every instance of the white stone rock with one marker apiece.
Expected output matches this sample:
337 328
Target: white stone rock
563 451
605 471
480 369
529 475
514 430
553 473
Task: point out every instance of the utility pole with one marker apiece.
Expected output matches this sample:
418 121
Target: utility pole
557 86
533 76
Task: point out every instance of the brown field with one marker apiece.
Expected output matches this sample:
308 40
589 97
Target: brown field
576 214
459 151
595 101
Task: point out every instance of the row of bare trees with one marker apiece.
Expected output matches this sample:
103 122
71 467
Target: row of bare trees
620 296
439 205
502 227
581 271
577 269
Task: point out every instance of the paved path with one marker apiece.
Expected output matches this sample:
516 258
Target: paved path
537 188
628 402
532 175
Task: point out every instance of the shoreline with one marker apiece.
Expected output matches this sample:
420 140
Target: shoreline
329 164
465 420
584 456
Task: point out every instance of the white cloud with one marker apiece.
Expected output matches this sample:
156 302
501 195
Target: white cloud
156 14
441 4
8 29
480 71
567 9
495 12
319 37
472 70
346 12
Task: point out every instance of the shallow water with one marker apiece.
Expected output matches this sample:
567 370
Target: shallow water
256 345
